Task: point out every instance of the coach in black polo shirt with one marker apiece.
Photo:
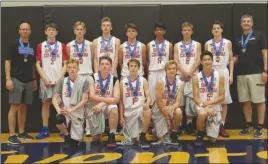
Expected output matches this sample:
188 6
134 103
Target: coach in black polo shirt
251 67
20 81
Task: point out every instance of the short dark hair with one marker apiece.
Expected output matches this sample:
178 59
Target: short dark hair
105 57
134 61
218 23
206 53
130 25
159 25
51 25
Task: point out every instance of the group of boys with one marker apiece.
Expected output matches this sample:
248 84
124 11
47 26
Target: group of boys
92 91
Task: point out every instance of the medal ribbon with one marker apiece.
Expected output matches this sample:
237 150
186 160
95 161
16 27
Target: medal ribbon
132 52
209 86
25 49
187 50
69 88
171 94
108 43
160 51
217 50
244 44
134 92
80 53
53 53
104 88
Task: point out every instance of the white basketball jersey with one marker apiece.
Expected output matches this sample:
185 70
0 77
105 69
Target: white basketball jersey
109 90
204 95
111 48
127 57
65 96
129 100
184 61
167 100
85 66
158 62
223 60
51 68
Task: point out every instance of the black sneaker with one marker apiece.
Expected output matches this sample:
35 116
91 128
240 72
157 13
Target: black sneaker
259 132
246 130
111 141
24 136
199 139
174 138
66 143
13 140
189 129
143 141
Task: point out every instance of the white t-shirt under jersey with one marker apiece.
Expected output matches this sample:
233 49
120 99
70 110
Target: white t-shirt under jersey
157 62
86 66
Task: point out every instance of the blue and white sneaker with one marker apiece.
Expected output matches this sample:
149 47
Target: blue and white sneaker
43 134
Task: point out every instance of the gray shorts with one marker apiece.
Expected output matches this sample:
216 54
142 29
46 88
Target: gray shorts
22 92
96 121
46 92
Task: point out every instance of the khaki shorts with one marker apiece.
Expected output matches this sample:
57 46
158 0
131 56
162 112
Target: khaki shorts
251 88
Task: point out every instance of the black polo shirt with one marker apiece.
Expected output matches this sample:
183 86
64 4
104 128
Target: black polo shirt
250 62
23 71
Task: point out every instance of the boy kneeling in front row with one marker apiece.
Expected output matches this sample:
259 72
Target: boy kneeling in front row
208 90
134 106
73 93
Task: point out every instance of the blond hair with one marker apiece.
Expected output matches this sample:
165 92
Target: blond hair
169 63
71 61
106 19
187 24
79 23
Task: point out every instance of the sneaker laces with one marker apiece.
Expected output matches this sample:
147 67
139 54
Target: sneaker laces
124 142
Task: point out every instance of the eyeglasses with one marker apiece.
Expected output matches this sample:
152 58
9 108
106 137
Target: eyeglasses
25 29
